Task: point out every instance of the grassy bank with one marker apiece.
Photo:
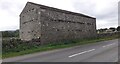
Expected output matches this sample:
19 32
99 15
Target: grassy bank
59 45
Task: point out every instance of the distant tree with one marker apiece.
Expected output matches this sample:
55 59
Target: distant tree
10 33
118 28
112 28
103 29
16 33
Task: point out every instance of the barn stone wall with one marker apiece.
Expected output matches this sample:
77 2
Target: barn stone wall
51 24
30 25
63 26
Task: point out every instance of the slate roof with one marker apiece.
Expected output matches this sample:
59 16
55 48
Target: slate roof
59 10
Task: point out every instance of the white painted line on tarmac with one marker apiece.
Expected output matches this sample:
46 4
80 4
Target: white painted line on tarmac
108 45
81 53
116 60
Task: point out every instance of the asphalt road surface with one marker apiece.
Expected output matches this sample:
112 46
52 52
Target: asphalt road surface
106 51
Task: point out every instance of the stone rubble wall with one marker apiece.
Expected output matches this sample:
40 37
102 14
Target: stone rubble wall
50 24
58 26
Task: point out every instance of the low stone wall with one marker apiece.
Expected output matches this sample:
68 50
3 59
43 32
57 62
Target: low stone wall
107 34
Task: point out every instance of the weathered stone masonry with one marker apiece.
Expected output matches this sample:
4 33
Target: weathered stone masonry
51 24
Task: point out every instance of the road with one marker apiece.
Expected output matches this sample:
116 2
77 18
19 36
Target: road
106 51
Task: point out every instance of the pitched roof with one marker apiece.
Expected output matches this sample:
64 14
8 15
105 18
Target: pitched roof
59 10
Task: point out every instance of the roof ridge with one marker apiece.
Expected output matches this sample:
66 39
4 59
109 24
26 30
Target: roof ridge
61 10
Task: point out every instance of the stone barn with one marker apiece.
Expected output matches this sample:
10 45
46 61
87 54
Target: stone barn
51 24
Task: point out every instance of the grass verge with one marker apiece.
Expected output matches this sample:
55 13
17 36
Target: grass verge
57 46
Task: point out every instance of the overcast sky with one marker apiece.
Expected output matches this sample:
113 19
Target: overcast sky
105 11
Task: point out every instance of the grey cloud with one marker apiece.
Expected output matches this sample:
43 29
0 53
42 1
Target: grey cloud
14 7
108 15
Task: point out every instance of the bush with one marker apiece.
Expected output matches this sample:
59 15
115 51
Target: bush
16 45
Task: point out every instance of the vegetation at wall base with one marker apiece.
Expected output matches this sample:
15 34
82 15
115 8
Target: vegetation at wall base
16 47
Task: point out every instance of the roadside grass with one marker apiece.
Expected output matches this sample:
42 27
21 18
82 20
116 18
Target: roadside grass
0 56
59 45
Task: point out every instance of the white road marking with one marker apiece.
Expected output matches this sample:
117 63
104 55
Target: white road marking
116 60
108 45
81 53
